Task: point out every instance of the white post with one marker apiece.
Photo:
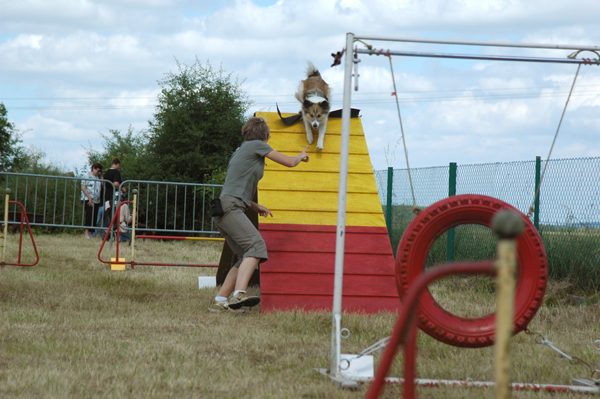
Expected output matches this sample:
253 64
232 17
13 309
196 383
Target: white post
334 362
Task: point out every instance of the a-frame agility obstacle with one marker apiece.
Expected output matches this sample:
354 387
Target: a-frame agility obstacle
301 236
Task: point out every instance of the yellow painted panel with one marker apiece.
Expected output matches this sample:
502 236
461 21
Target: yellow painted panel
296 180
307 194
325 219
318 201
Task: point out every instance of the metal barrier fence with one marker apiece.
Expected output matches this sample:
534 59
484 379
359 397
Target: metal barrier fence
50 201
173 207
55 202
567 213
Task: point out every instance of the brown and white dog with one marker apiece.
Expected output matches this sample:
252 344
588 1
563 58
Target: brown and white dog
314 95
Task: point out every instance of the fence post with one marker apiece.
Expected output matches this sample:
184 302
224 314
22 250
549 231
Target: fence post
4 236
388 207
451 192
536 203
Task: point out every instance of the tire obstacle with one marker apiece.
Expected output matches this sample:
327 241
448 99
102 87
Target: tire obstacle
532 273
422 310
24 221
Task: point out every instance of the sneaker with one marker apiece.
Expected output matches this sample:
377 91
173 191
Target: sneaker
243 299
218 307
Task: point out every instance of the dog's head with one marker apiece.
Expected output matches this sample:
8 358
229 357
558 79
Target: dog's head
315 112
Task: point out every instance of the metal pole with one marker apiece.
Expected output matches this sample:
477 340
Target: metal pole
451 192
476 43
536 200
135 192
388 207
334 360
5 223
585 61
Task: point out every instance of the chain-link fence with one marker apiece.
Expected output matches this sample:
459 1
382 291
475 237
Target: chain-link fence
567 214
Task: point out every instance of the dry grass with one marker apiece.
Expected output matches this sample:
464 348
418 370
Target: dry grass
70 328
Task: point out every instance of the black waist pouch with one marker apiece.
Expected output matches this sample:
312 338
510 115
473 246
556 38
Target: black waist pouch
215 208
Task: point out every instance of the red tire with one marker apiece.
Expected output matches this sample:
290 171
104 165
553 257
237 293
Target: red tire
412 253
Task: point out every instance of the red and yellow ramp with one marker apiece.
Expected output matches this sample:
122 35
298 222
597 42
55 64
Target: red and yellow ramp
301 236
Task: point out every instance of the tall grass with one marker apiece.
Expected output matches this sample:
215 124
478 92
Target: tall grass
71 328
573 253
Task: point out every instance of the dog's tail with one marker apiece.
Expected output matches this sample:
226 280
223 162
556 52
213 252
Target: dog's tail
311 70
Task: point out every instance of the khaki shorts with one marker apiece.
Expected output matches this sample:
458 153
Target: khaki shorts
239 232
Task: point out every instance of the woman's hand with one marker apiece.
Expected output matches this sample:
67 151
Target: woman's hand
261 210
304 156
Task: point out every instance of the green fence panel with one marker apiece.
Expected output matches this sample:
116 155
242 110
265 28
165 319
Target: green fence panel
566 211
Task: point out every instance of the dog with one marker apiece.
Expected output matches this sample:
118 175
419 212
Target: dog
315 96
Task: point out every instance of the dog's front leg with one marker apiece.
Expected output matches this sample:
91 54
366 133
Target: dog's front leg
322 128
308 128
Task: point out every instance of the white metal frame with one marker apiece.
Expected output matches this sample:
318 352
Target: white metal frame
334 361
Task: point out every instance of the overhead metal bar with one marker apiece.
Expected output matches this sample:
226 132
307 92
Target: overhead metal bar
476 43
585 61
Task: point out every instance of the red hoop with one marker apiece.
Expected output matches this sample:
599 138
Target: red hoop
412 253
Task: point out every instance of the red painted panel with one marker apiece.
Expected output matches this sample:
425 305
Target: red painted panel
301 262
322 284
300 269
369 305
315 241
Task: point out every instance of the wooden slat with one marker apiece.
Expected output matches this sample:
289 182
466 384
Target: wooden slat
326 163
311 242
324 263
324 218
320 228
322 284
323 303
319 201
301 180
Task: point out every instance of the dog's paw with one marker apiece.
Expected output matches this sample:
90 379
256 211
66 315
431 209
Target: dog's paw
319 146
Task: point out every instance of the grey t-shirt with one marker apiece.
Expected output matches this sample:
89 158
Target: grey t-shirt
246 168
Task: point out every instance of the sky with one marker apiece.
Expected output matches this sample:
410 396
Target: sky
70 70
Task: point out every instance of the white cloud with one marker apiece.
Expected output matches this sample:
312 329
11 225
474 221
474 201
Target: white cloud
87 54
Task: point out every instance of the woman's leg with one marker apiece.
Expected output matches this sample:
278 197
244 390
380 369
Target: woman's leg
244 275
229 284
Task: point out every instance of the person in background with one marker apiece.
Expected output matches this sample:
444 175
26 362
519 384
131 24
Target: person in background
100 218
113 175
124 221
90 195
246 168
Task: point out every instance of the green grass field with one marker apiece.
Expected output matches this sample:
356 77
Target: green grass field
71 328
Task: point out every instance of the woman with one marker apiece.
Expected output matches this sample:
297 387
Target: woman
90 195
246 168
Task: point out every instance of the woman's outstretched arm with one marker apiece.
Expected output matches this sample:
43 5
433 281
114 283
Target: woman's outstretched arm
286 160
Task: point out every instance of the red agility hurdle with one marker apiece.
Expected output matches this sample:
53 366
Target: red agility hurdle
24 219
132 262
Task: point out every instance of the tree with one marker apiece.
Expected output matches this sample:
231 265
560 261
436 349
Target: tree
12 155
197 124
130 148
